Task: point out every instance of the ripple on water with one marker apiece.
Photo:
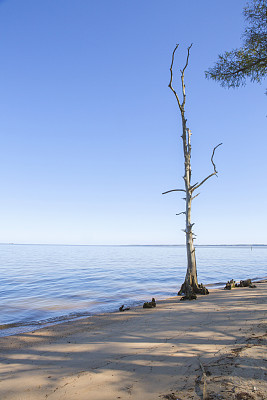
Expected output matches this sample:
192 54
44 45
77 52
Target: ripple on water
43 284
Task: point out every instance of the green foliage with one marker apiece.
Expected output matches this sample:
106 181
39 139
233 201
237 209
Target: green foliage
250 61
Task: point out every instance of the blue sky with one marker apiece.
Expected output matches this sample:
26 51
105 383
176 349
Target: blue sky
90 131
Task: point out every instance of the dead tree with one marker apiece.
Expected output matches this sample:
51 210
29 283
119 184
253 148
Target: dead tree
190 288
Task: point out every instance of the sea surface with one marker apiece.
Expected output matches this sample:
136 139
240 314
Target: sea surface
44 284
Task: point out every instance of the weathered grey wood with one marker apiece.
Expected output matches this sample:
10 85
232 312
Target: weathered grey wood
190 286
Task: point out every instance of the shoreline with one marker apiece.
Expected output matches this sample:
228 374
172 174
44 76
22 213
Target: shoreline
47 285
146 353
17 328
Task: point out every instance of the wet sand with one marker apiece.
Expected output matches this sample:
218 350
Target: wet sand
211 348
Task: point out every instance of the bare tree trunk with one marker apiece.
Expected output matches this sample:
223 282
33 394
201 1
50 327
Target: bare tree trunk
190 287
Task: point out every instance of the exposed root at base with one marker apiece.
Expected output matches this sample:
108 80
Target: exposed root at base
190 292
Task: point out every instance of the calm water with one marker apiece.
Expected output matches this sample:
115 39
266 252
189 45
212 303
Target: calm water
42 284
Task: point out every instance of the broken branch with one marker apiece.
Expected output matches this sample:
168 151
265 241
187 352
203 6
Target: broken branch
187 58
214 166
204 180
195 196
192 187
182 74
174 190
214 173
170 84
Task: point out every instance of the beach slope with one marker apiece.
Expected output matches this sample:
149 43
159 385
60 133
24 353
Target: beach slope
211 348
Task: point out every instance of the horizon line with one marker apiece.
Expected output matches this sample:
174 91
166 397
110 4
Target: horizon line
133 245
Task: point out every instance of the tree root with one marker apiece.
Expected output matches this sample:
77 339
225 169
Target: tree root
232 284
150 304
190 292
122 308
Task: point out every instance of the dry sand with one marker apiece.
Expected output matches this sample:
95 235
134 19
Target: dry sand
211 348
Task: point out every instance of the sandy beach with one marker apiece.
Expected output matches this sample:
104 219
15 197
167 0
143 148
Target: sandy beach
211 348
